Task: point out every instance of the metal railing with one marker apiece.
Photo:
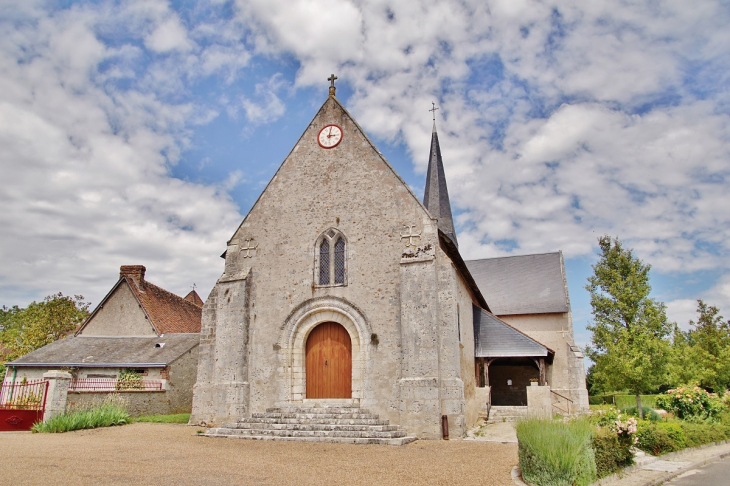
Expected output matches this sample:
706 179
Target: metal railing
114 385
557 406
23 395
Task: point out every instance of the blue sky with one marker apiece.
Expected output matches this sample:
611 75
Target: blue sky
143 131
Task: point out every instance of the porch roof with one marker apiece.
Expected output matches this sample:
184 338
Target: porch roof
494 338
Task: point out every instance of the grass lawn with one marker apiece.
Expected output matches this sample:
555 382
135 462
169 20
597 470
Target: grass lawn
176 418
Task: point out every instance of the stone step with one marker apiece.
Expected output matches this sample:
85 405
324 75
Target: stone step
300 420
305 426
308 433
502 413
318 410
282 415
332 440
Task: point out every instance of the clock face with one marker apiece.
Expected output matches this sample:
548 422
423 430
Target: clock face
330 136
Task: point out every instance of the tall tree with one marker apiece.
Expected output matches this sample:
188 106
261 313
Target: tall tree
23 330
701 354
629 345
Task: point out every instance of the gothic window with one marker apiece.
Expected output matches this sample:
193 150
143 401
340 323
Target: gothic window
331 259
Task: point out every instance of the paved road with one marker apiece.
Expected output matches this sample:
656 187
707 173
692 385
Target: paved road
714 474
162 454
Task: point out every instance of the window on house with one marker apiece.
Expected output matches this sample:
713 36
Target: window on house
331 259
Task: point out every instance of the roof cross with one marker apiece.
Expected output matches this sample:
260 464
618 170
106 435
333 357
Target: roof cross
331 79
433 110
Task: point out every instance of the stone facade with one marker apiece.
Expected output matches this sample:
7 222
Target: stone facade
398 301
400 290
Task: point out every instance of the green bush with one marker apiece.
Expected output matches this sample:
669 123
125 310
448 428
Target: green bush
698 434
654 440
611 454
556 453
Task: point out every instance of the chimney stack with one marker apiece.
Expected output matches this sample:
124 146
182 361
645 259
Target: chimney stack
135 272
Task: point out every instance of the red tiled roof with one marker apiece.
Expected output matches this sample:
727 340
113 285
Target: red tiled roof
169 313
194 298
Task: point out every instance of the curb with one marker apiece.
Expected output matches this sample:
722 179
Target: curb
694 465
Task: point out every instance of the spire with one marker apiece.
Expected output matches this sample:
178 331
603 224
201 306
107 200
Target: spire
436 196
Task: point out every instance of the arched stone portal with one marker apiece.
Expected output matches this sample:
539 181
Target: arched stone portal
294 334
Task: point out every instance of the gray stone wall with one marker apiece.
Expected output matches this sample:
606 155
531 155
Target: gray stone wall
120 316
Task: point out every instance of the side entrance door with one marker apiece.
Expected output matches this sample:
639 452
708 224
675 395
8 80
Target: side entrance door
329 362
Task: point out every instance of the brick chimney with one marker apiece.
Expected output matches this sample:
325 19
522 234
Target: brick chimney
135 272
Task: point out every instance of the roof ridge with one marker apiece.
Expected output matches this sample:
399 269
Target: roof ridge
515 256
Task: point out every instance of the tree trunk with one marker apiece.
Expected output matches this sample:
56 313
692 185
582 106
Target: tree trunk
639 407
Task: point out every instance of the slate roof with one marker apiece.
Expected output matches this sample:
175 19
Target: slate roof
111 352
436 195
494 338
526 284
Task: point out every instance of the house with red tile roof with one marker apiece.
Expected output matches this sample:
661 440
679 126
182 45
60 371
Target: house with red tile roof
138 330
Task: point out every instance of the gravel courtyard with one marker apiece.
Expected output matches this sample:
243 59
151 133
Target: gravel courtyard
151 454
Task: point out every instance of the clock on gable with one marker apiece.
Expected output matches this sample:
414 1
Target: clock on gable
330 136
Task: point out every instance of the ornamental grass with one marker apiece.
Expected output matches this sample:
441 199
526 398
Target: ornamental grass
112 411
556 453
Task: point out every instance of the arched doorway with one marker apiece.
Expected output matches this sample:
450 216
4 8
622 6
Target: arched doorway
329 362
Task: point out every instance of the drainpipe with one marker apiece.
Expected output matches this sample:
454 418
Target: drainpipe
445 426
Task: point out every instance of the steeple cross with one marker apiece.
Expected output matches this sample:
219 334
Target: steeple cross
410 235
331 79
433 110
248 248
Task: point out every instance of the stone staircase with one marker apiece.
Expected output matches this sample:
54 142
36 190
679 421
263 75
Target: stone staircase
341 423
506 414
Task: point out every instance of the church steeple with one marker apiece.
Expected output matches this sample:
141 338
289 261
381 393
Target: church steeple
436 196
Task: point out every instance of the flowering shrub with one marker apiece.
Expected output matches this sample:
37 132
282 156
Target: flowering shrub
612 441
691 403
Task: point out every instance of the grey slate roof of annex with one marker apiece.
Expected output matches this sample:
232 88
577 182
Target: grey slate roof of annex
436 194
496 339
81 351
525 284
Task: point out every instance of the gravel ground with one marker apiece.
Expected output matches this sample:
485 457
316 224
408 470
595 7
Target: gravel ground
161 454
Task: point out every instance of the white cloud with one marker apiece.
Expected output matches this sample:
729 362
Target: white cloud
170 35
265 106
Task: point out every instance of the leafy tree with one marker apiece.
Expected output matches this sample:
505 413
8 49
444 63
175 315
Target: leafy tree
629 345
23 330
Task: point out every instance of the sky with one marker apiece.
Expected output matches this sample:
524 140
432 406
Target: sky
142 132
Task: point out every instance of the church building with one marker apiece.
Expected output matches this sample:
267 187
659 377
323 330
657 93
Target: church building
344 292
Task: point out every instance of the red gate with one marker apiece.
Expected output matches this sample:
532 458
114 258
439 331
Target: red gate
22 404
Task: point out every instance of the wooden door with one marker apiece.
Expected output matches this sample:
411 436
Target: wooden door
329 362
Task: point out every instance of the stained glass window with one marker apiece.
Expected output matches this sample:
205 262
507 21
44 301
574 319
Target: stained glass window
324 262
340 261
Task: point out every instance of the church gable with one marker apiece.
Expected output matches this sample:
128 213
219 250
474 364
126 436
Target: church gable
316 178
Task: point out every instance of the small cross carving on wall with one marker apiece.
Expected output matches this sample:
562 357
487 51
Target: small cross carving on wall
411 235
248 247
